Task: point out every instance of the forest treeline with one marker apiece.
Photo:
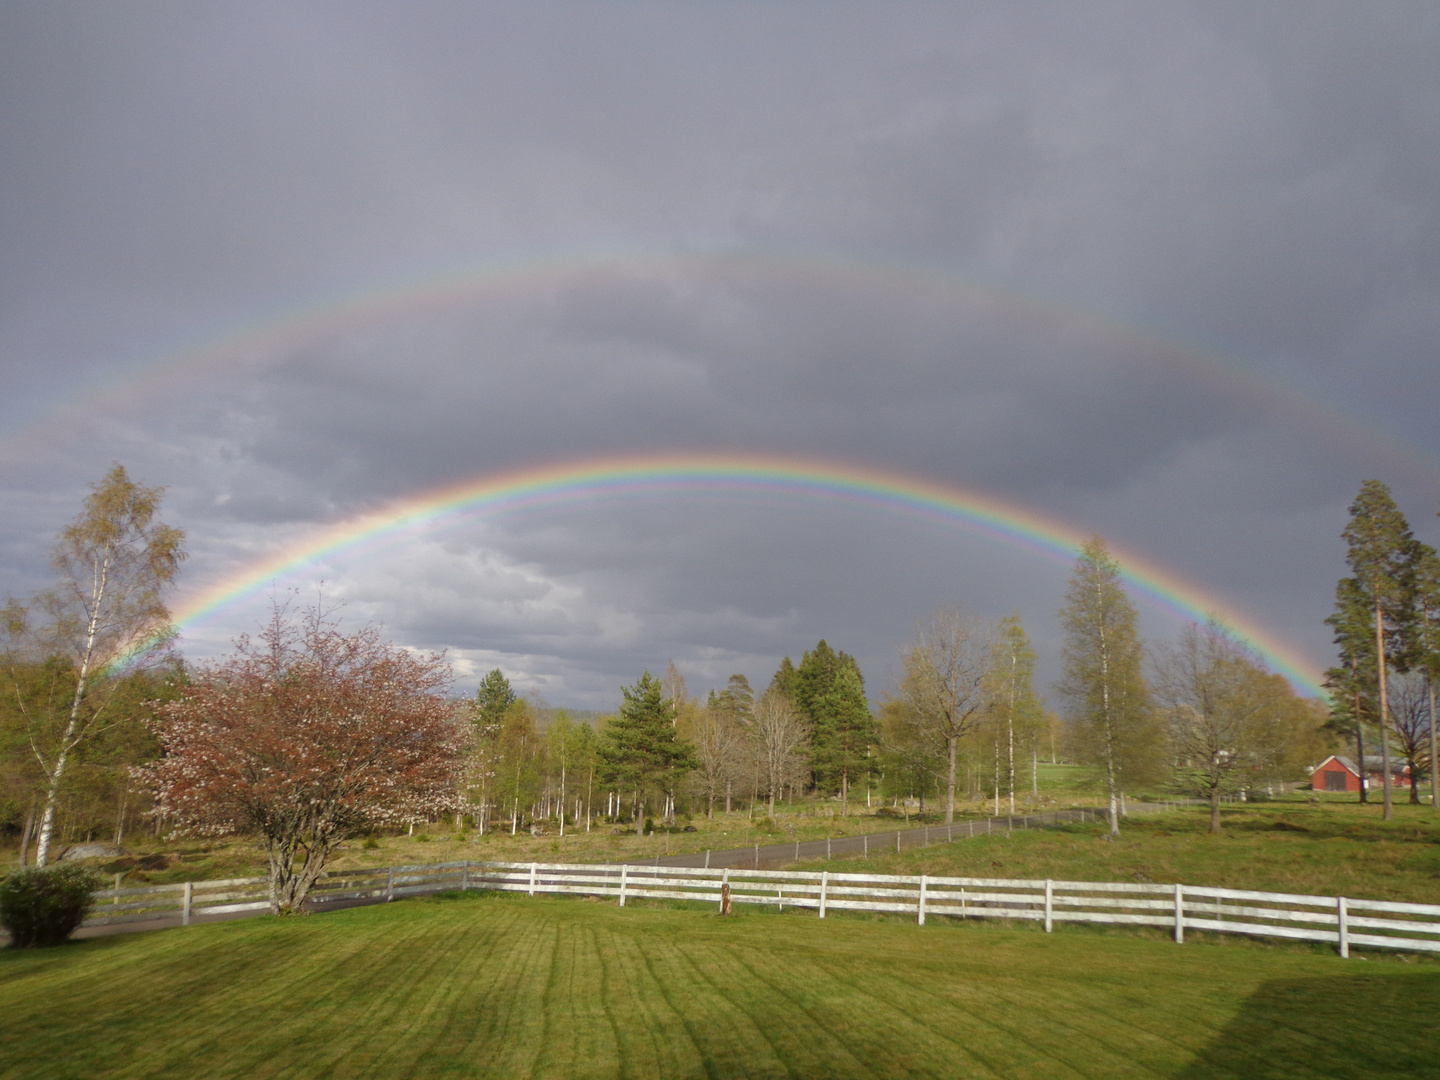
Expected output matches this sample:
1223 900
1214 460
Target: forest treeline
93 697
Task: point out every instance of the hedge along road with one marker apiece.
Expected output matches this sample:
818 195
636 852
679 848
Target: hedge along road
757 856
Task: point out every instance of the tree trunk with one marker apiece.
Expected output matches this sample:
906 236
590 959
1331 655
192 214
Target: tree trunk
639 816
27 834
951 744
1434 757
1360 753
1384 712
1214 809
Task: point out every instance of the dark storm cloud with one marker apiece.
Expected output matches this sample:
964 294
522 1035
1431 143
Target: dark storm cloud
1256 180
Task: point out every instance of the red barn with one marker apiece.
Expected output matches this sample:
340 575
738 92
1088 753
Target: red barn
1337 773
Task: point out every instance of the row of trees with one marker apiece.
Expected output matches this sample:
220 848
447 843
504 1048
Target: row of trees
309 734
1387 627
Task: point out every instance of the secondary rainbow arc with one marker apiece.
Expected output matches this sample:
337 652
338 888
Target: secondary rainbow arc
286 329
748 475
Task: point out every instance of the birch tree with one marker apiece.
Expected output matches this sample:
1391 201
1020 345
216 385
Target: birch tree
1015 712
778 742
106 612
1225 713
945 669
1103 679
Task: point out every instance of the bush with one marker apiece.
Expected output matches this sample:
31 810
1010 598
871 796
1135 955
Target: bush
44 905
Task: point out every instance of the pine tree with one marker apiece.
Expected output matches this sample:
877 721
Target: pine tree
1103 677
1380 553
1352 683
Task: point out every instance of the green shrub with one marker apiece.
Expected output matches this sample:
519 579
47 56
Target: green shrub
44 905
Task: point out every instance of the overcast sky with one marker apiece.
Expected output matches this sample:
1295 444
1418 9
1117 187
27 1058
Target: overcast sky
1169 272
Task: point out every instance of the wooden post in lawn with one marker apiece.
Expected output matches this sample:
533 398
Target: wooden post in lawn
920 905
465 877
1342 926
532 878
827 847
824 887
757 856
1049 903
1179 914
188 899
623 873
897 841
389 884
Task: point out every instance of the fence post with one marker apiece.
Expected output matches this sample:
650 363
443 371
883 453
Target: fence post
725 891
1342 925
1049 902
707 858
389 884
866 839
950 833
827 847
1179 914
757 856
897 841
824 884
186 903
624 870
920 907
465 877
532 879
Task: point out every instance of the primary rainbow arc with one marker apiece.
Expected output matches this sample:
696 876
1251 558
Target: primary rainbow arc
752 475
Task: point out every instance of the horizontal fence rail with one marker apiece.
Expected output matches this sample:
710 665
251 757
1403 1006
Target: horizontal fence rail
1338 921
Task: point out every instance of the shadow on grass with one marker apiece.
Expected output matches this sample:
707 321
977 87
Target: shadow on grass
1330 1029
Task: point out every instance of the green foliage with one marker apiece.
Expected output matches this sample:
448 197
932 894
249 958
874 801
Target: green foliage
1113 724
640 750
44 905
1381 552
845 731
783 683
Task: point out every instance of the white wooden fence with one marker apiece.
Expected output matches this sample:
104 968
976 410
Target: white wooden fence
1337 921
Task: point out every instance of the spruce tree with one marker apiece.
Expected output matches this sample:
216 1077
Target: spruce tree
639 749
783 684
1103 678
1380 553
844 731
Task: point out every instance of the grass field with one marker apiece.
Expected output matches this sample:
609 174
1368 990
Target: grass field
1330 849
502 986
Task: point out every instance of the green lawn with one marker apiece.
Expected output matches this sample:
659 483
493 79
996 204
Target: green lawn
502 986
1326 848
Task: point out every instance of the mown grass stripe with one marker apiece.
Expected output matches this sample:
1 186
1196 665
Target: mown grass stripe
492 987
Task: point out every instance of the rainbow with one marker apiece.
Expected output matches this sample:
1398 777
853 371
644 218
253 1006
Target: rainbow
280 332
562 483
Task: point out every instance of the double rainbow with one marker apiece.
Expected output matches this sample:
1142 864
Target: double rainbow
732 474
